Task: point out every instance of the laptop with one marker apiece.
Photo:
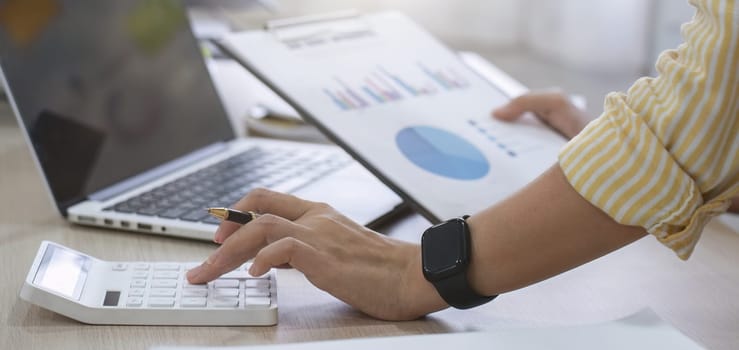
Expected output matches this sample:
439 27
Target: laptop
129 132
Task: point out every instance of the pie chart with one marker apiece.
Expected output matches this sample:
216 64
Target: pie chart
442 153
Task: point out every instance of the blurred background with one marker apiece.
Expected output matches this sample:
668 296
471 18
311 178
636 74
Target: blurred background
585 47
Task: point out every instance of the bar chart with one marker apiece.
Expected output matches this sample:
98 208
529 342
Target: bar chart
383 86
505 137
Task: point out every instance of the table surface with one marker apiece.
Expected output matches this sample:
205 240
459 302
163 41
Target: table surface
698 297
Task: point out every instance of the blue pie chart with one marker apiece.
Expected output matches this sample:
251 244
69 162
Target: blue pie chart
442 153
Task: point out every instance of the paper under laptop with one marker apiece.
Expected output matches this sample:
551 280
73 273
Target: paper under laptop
124 123
402 104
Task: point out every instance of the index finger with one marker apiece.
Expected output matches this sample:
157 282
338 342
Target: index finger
264 201
243 246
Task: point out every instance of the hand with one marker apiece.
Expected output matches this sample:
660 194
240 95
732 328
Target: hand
551 107
373 273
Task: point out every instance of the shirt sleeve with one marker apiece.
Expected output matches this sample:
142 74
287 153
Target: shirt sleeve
665 155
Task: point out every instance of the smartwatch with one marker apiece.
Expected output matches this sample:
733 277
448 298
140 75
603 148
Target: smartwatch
446 254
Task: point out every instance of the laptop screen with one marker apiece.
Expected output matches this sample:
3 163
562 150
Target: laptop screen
107 89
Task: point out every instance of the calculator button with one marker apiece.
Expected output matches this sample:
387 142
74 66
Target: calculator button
161 292
195 286
166 275
253 292
226 283
192 302
138 283
237 275
140 274
120 266
134 301
190 266
166 267
224 302
161 302
191 293
163 284
256 302
226 292
256 283
136 292
140 266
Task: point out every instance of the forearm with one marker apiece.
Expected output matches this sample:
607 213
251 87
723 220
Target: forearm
543 230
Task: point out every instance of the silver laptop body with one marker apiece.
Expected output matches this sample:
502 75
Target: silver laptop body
122 119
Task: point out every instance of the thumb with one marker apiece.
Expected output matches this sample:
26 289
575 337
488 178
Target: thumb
509 111
542 103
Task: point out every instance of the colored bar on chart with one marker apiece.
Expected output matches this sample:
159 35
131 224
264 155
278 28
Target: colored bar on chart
428 90
336 100
353 94
400 82
433 75
391 95
448 79
389 86
459 79
346 100
360 101
378 98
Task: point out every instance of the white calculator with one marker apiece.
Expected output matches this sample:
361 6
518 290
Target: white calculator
93 291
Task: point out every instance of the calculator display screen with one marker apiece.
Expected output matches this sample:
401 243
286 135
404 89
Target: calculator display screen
63 271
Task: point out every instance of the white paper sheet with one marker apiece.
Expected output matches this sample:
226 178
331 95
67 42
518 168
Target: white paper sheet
405 106
644 330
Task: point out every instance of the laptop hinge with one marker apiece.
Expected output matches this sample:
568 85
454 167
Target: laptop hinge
156 173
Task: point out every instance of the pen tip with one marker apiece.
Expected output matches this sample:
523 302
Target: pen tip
221 213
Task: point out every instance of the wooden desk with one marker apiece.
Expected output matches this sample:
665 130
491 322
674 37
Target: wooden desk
699 297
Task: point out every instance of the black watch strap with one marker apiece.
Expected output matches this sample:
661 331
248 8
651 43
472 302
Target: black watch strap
456 291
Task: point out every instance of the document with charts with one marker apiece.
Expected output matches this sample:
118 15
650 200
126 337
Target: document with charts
402 104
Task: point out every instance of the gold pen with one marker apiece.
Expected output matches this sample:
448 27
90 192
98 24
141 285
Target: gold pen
233 215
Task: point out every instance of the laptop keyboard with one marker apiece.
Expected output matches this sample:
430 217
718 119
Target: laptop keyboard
224 183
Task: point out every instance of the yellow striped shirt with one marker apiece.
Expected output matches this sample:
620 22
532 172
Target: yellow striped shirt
664 155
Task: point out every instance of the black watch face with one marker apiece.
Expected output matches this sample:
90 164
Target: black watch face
444 249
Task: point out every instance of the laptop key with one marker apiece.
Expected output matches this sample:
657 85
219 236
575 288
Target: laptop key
211 220
123 208
149 211
195 215
173 213
226 182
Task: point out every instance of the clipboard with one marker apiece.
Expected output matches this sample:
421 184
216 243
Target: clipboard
403 105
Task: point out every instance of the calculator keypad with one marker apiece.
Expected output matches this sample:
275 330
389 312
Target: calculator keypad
164 285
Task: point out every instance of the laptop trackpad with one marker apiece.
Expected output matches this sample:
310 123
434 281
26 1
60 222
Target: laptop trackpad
354 192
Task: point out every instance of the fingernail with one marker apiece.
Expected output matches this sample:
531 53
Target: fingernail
217 236
253 269
193 274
